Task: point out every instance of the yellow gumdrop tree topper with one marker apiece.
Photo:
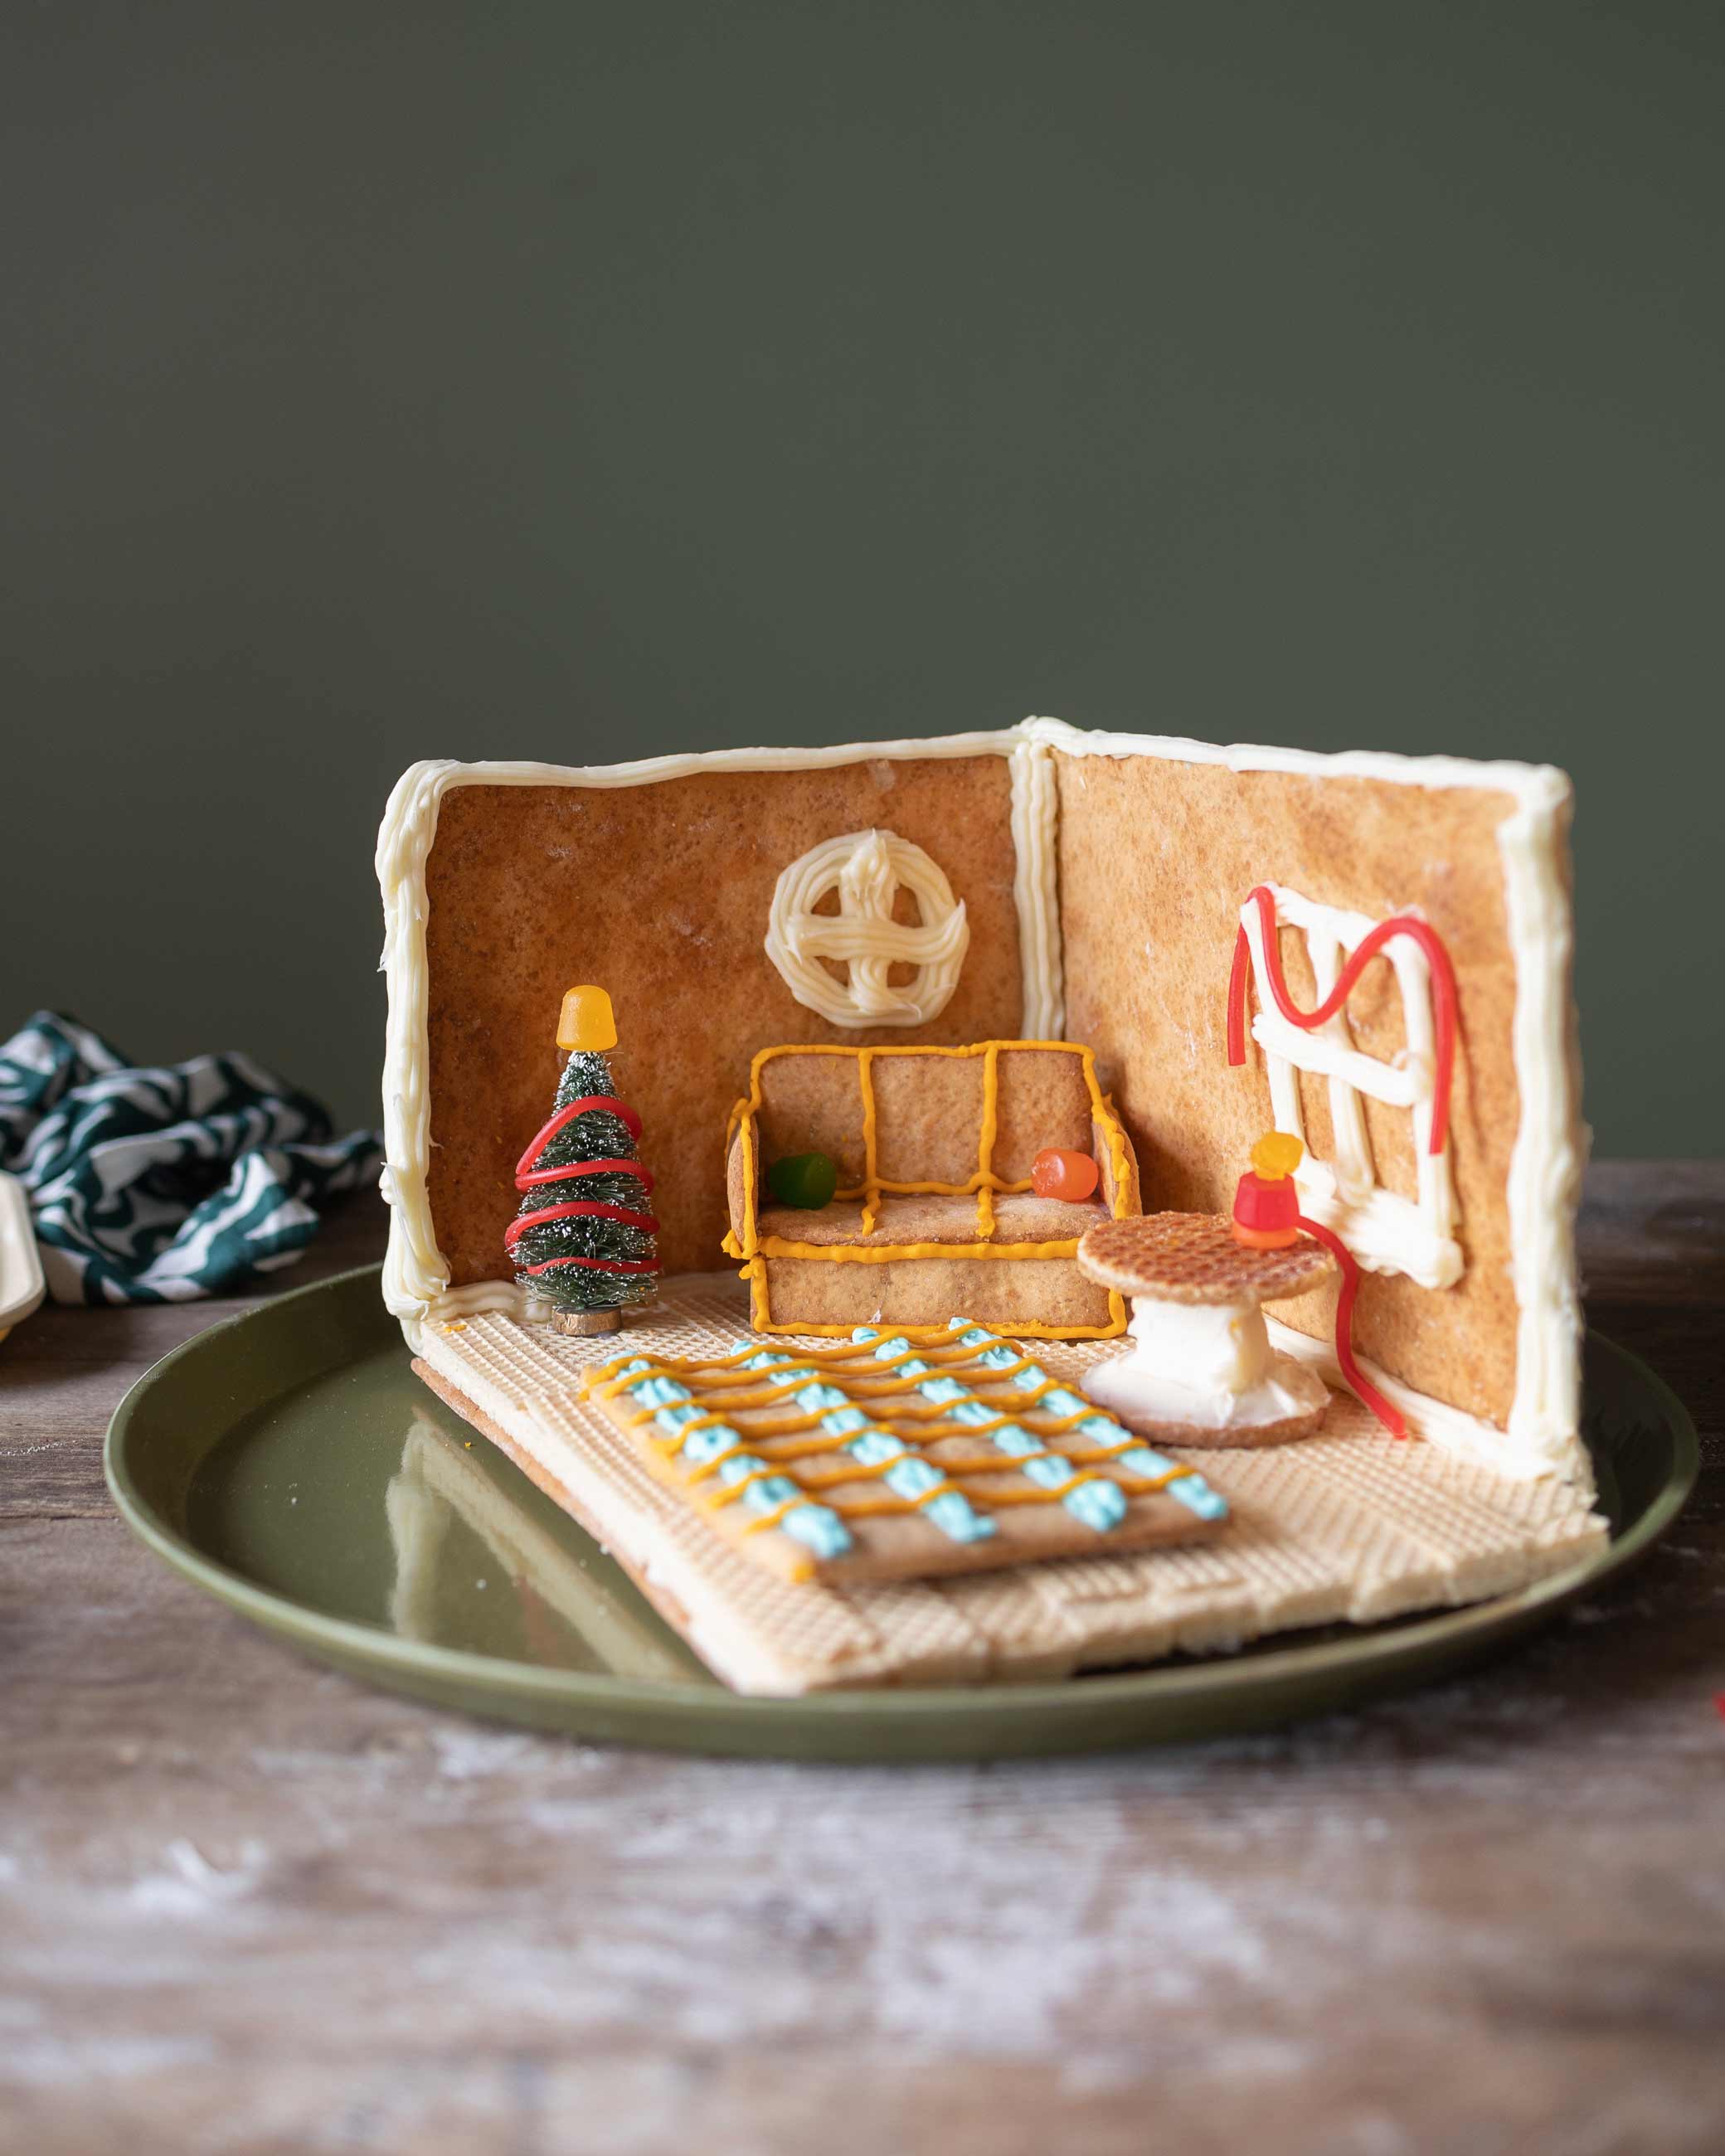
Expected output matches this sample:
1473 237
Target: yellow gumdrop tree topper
587 1022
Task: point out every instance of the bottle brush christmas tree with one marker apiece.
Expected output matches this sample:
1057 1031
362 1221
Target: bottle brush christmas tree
583 1239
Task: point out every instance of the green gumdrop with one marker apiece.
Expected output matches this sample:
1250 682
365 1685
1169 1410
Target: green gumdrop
804 1179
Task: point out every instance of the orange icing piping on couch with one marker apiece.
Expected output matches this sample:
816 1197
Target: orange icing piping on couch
755 1249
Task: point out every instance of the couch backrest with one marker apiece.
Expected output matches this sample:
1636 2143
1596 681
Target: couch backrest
928 1108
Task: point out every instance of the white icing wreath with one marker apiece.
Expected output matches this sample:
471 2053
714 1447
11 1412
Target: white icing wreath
866 868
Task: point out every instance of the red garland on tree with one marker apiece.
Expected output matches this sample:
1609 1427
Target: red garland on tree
584 1239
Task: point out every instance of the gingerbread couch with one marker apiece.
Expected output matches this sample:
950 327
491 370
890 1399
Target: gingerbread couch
935 1212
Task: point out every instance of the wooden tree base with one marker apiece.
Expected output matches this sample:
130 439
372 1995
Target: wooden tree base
586 1321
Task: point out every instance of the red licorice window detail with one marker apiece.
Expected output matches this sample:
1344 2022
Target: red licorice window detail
1443 993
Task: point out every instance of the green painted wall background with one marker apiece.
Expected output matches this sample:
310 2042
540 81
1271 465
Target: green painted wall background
549 380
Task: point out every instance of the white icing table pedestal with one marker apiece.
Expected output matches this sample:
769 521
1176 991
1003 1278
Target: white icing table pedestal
1201 1370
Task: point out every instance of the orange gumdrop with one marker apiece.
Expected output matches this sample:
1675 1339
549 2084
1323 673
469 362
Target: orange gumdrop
1056 1172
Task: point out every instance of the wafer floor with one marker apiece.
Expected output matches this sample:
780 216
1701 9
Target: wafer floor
1348 1526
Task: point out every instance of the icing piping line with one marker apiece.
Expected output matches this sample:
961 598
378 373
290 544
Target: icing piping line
865 1086
698 1397
985 1143
782 1247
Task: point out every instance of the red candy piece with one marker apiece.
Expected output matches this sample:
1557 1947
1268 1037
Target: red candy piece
1057 1172
1266 1212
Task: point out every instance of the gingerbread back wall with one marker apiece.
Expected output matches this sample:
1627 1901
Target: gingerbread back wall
1156 859
661 893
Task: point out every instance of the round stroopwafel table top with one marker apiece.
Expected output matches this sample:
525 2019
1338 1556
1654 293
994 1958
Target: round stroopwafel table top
1192 1257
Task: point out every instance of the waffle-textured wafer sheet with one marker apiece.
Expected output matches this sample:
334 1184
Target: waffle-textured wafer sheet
1349 1526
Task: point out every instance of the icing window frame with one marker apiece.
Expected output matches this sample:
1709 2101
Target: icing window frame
1386 1232
866 870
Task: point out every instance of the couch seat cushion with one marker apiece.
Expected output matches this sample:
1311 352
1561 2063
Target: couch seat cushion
1019 1217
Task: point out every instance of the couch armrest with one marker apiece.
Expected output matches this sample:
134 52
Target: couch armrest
742 1190
1103 1135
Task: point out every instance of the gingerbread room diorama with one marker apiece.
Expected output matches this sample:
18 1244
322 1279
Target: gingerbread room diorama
1005 1204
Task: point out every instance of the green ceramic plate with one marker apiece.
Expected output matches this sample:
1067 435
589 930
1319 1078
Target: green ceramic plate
289 1462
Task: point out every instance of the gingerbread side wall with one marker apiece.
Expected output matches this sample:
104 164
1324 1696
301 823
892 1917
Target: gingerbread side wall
661 891
1156 857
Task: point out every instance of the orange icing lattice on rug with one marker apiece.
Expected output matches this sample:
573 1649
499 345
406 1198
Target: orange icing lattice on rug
984 1184
771 1438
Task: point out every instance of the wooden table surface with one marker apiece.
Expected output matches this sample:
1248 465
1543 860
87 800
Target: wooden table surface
246 1904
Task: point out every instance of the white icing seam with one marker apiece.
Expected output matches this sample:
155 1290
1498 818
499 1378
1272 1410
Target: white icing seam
415 1272
1388 1233
1035 891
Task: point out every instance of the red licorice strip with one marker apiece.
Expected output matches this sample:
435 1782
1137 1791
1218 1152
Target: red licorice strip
598 1265
585 1168
1238 975
1362 1384
566 1114
609 1102
574 1209
1443 993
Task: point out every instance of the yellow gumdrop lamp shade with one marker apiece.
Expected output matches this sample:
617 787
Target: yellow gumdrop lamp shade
587 1021
1276 1154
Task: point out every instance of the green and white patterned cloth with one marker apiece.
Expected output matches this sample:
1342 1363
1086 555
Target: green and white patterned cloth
162 1185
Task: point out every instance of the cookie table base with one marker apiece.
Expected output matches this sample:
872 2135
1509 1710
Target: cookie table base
1206 1373
1201 1370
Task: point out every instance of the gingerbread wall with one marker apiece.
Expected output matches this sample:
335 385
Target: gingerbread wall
661 893
1155 861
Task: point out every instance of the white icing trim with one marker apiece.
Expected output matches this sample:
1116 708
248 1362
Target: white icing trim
1529 782
1551 1143
866 870
1035 808
1545 1166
